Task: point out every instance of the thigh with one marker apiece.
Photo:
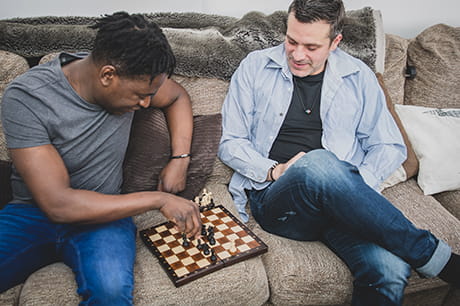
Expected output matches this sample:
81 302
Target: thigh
27 243
379 274
102 258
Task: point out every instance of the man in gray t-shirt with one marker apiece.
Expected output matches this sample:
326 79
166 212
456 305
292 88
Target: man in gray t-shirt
67 125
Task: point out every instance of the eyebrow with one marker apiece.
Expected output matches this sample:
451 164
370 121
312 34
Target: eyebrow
307 45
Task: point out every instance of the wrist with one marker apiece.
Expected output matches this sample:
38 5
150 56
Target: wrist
181 156
271 175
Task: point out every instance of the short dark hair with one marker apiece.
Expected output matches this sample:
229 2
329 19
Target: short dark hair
331 11
133 45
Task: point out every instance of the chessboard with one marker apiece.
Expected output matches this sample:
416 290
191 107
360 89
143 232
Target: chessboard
225 241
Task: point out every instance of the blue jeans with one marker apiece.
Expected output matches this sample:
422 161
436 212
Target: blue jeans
323 198
101 256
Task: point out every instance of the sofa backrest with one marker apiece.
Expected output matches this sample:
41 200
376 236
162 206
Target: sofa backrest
11 66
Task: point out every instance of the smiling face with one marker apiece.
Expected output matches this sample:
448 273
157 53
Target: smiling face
124 94
308 46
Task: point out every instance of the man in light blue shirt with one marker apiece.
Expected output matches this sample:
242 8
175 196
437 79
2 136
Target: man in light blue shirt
307 131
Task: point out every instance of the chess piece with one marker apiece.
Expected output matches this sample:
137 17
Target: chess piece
213 255
233 248
185 242
212 241
206 249
203 230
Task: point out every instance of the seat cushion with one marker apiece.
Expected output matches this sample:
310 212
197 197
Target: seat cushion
451 201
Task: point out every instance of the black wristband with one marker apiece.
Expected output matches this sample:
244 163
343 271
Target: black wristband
270 173
181 156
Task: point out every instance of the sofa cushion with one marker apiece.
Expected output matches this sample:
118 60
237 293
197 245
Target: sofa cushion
435 54
410 165
395 66
11 296
207 94
11 66
434 136
149 150
425 212
451 201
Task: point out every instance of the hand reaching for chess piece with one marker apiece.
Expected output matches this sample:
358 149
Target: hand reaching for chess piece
183 213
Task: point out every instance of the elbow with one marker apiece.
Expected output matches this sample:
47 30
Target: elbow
58 211
59 216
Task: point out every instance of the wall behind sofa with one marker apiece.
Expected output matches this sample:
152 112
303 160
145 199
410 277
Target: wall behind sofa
406 18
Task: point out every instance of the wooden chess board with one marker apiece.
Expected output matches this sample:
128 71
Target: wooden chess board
233 242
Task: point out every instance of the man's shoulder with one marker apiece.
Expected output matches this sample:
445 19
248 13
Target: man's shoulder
35 78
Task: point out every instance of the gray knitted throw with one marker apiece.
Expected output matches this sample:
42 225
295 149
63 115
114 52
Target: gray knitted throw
205 45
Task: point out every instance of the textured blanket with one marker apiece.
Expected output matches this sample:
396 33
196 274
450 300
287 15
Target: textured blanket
205 45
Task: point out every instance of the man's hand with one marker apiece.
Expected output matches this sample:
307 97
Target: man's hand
281 168
184 213
174 176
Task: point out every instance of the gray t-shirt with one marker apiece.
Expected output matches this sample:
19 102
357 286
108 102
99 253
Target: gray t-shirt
41 107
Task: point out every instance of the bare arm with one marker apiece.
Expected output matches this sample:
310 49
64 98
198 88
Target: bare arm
175 102
46 176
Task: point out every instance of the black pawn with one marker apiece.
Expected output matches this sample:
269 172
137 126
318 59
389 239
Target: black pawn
206 250
203 230
185 242
213 256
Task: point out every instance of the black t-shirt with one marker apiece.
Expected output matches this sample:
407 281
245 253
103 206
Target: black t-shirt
302 128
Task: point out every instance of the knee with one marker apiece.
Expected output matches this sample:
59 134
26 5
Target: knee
323 168
113 291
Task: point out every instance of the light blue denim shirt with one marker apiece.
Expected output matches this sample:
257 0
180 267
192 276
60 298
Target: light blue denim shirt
357 126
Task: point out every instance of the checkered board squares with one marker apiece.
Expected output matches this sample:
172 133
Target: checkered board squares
234 243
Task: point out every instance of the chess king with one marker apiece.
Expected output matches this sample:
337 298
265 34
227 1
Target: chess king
68 121
307 131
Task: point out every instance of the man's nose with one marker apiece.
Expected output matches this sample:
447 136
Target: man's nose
299 53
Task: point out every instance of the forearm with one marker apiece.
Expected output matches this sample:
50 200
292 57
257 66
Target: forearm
83 206
180 124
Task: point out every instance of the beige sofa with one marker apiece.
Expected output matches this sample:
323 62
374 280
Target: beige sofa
291 272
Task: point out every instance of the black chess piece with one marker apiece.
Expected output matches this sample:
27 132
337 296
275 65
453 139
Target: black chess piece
213 256
199 246
185 242
203 230
206 249
212 241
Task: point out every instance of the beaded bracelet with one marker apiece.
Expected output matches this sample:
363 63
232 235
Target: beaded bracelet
181 156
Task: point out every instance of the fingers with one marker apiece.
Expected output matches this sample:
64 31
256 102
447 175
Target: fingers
295 158
186 217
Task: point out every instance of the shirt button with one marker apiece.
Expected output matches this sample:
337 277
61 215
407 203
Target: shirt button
281 114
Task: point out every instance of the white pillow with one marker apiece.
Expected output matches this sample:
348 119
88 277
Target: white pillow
435 137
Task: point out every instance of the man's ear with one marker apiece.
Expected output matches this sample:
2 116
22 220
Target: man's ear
107 75
336 42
